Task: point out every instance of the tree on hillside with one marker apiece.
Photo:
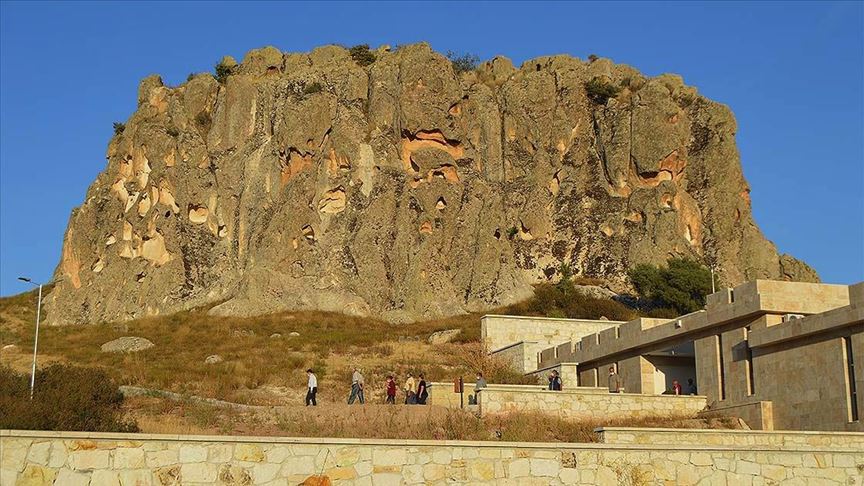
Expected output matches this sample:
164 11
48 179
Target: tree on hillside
682 284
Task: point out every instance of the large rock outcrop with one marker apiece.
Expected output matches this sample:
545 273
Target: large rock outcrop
402 189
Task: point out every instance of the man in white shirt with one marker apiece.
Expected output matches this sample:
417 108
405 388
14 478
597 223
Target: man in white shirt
357 383
312 388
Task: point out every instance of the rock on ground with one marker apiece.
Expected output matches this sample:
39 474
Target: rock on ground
127 344
442 337
402 189
213 359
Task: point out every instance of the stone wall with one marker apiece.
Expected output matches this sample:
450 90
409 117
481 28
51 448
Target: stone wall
71 459
839 441
500 331
586 402
523 355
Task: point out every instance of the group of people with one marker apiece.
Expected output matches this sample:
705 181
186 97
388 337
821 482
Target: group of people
416 391
616 384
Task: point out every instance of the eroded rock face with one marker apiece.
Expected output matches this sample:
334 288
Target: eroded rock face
402 190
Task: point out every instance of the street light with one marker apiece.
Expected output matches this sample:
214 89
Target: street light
36 339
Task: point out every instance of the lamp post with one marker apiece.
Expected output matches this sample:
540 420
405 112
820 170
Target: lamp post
35 339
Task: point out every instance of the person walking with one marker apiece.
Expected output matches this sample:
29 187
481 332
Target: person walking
311 388
479 385
357 383
409 388
422 391
391 390
614 381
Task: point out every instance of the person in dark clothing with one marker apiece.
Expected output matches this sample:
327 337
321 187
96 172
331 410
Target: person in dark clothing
422 391
555 381
311 388
614 381
391 390
691 387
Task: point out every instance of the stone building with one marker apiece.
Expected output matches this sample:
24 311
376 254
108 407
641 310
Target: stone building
780 355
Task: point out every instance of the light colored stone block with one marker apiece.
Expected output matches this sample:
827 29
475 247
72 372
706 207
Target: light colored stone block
192 453
128 458
89 459
388 479
68 477
545 467
389 457
519 468
198 473
264 472
39 453
248 452
298 465
108 478
161 458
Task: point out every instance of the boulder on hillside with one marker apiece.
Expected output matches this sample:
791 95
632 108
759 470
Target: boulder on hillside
442 337
127 344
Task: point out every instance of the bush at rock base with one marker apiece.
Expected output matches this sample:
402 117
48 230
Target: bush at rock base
65 398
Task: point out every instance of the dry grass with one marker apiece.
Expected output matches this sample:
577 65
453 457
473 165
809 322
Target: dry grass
256 369
385 422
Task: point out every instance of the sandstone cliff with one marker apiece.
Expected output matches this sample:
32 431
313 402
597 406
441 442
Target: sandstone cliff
403 189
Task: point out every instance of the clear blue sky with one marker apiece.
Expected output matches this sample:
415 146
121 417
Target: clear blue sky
792 73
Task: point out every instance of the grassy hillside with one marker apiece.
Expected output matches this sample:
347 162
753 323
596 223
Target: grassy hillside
266 370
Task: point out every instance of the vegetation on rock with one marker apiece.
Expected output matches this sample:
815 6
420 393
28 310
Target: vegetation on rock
600 90
463 63
119 127
681 285
222 71
362 55
312 88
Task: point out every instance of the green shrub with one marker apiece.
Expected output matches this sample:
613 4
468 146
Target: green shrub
190 77
119 128
173 131
599 90
462 63
65 398
562 300
312 88
592 57
511 232
681 285
362 55
222 72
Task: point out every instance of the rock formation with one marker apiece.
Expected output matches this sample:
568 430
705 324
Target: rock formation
403 189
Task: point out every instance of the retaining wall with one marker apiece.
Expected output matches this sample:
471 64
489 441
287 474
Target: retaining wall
65 458
586 402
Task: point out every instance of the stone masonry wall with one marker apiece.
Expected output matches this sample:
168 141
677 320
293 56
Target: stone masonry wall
59 458
500 331
585 402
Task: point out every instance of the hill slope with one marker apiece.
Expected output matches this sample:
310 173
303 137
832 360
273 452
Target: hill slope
403 189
